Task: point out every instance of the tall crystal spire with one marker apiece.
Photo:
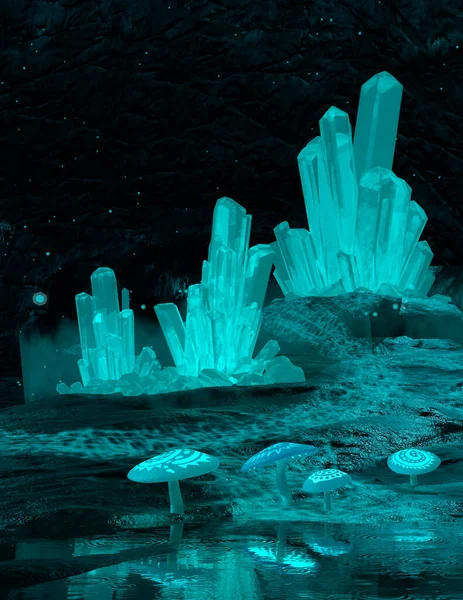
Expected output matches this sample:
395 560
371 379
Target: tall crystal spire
377 123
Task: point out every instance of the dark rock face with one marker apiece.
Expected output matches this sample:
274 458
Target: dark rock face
123 123
349 324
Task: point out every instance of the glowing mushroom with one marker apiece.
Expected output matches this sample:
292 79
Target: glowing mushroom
279 454
413 462
171 467
326 481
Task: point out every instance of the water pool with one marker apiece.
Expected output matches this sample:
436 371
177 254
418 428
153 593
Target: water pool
258 561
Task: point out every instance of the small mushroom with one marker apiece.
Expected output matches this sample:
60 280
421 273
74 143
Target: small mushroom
279 454
413 462
326 481
172 467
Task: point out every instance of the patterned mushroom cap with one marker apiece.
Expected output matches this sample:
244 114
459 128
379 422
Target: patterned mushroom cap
413 462
281 451
325 480
173 465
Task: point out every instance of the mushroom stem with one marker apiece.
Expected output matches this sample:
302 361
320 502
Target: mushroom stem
176 502
327 499
413 480
282 484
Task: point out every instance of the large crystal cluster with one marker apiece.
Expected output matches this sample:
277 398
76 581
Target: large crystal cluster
364 228
224 311
213 347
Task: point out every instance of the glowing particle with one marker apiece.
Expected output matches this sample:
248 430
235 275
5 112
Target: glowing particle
39 298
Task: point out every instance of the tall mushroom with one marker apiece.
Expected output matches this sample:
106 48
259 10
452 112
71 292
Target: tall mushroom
172 467
279 454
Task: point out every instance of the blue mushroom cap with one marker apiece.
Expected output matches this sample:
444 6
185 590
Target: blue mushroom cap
277 452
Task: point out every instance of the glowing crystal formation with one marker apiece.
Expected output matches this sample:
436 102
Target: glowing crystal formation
107 334
213 347
107 342
224 311
364 228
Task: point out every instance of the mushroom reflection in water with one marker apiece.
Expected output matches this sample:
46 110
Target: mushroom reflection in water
281 554
169 571
325 544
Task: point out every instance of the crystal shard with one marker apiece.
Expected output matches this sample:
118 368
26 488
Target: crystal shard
85 310
319 203
125 296
416 220
269 351
127 340
417 266
336 146
377 123
394 202
259 265
104 292
282 370
364 228
146 362
173 329
84 370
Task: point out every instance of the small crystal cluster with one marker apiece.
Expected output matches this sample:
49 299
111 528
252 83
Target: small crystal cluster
364 228
214 347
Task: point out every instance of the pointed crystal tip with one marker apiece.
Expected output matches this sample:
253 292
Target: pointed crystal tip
334 112
383 81
101 271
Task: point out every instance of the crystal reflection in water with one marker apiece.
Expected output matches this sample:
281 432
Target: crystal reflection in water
265 561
